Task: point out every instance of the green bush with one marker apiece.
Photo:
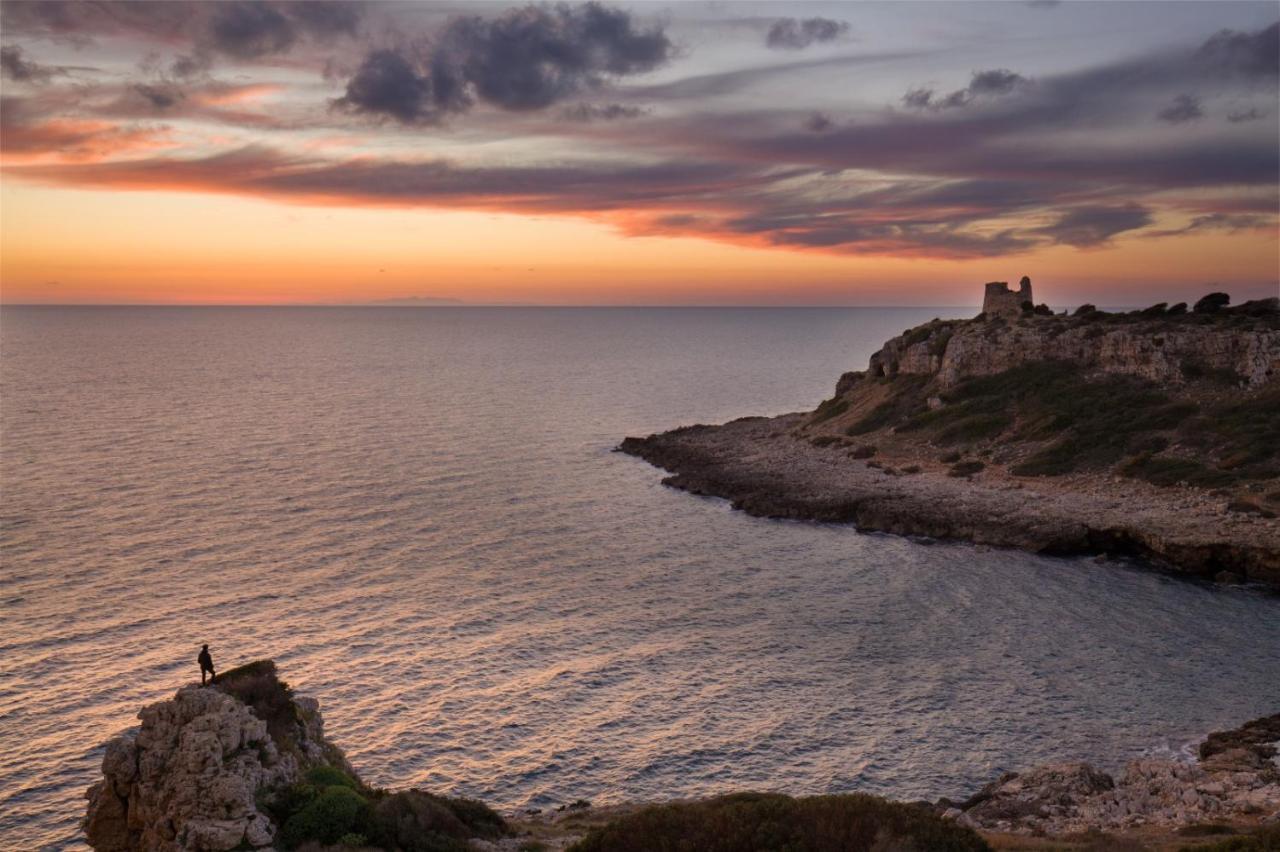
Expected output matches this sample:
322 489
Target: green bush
331 776
414 821
763 822
333 813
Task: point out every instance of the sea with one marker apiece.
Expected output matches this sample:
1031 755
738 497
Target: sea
418 513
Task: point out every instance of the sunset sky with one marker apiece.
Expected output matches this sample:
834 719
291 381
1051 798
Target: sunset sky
679 153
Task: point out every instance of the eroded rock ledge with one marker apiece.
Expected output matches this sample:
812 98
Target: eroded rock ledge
1237 777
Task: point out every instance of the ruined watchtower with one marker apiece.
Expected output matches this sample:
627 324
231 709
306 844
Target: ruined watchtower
999 300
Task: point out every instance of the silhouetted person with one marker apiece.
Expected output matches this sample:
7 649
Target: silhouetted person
206 664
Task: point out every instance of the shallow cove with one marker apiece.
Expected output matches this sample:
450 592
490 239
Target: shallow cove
418 514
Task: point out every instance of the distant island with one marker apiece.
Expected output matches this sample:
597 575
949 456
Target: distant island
1152 433
244 764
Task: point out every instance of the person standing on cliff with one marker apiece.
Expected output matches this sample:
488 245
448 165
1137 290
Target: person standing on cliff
206 664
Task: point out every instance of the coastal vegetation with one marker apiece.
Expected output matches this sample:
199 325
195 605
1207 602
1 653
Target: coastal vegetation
750 822
331 807
1054 415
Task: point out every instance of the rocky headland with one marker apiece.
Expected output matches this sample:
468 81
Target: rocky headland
1152 433
245 765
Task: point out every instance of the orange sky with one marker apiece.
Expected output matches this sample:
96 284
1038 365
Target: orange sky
250 181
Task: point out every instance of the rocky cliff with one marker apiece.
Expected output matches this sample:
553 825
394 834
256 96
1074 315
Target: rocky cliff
1150 433
1162 347
193 774
244 764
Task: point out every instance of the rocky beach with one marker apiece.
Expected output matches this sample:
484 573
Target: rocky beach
245 765
1148 434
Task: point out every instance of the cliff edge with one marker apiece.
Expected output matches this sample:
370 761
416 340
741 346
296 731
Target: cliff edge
192 776
1152 433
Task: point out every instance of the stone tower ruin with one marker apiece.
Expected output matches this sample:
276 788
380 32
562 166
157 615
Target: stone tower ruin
999 300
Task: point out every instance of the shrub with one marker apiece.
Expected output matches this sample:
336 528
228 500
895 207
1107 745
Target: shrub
866 451
1171 470
975 428
1177 310
949 458
966 468
757 822
331 814
415 821
1212 303
270 699
331 776
1265 839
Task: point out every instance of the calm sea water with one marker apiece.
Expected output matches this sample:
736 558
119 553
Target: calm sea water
417 513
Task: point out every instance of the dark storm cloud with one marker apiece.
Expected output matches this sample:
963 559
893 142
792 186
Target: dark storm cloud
1087 227
524 59
247 30
1242 116
984 84
15 66
242 29
1249 54
161 96
819 123
587 113
999 81
795 34
1229 222
1183 109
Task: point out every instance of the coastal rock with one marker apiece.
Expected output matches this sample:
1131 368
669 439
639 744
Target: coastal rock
1160 349
1167 453
1068 798
191 777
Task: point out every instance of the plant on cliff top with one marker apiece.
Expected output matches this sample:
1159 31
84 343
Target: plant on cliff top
271 700
332 813
767 822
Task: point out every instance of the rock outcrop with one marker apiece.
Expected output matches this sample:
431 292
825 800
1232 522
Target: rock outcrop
193 774
1241 782
1161 347
1149 433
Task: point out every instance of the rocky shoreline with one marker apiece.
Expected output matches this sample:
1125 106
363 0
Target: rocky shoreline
1152 434
245 765
764 468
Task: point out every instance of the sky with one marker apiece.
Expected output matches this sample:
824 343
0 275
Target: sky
628 153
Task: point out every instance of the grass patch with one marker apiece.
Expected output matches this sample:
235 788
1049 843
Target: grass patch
907 397
765 822
1171 470
829 408
966 468
1265 839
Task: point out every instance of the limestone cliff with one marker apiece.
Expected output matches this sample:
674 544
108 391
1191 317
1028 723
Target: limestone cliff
1156 345
193 774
